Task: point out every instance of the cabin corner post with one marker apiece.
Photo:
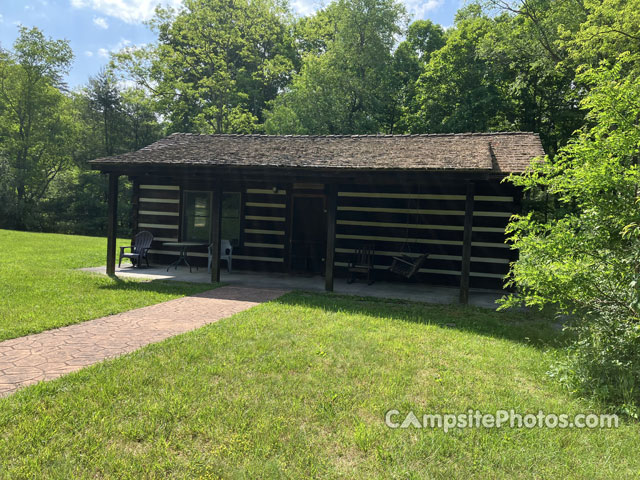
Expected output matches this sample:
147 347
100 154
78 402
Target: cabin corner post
466 244
216 232
112 222
332 203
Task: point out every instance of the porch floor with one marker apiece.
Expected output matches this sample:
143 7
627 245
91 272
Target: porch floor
417 292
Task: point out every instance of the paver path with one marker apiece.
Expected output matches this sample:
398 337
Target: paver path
50 354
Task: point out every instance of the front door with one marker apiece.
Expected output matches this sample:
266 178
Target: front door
308 233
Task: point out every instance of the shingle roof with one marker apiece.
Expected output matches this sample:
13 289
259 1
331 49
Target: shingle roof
490 152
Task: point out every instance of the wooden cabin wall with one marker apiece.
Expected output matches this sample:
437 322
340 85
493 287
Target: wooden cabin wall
263 230
418 219
409 219
158 211
158 207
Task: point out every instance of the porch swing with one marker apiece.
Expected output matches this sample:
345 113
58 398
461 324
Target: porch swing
406 265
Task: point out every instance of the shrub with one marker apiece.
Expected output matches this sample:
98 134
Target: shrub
586 261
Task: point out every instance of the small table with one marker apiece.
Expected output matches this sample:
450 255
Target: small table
184 247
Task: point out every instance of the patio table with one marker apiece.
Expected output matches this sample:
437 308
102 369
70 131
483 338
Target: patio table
182 256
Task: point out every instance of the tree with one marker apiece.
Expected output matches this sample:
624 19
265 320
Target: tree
217 63
142 124
343 85
104 98
409 59
36 121
587 260
457 90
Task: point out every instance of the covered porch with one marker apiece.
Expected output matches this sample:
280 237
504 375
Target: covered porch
416 292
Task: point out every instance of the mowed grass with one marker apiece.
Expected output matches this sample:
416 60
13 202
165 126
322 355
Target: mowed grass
299 387
41 289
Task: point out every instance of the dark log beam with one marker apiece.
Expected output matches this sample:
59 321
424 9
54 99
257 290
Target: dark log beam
466 244
332 204
216 232
112 219
281 176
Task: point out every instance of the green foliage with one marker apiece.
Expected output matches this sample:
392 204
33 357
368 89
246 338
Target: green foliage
504 71
36 121
587 262
458 90
343 85
216 63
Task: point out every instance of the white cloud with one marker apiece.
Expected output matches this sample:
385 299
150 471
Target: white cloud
306 7
105 52
130 11
420 9
138 11
88 53
1 18
100 22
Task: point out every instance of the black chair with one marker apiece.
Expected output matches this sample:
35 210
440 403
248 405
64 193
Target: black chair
407 266
362 262
139 249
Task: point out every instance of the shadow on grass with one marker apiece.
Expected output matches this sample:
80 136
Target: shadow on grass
158 286
527 327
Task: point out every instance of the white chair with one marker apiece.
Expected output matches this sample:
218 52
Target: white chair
226 251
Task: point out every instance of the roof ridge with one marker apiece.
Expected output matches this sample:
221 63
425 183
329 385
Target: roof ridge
346 135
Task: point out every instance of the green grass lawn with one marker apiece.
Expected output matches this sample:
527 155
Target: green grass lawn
298 388
40 288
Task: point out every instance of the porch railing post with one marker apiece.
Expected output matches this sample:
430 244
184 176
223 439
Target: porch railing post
466 244
112 222
216 232
332 202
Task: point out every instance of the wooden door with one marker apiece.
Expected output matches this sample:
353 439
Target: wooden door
308 233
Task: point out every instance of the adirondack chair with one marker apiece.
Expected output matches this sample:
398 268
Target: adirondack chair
362 262
407 266
139 249
226 251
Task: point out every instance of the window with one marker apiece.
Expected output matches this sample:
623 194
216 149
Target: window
197 217
195 227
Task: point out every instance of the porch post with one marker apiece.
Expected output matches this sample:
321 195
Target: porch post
332 201
112 213
466 244
216 231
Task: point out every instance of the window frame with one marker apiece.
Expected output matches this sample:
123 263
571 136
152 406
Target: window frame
183 222
209 194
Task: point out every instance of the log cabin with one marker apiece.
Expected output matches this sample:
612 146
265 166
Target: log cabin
304 204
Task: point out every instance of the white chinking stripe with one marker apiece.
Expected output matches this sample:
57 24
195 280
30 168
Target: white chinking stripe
265 232
267 219
159 187
476 213
457 258
419 240
158 213
418 226
266 191
158 200
426 196
265 205
263 245
158 225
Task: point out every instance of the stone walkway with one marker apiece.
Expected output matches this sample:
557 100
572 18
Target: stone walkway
47 355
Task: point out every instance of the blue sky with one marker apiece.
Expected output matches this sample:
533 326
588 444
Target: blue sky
96 27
